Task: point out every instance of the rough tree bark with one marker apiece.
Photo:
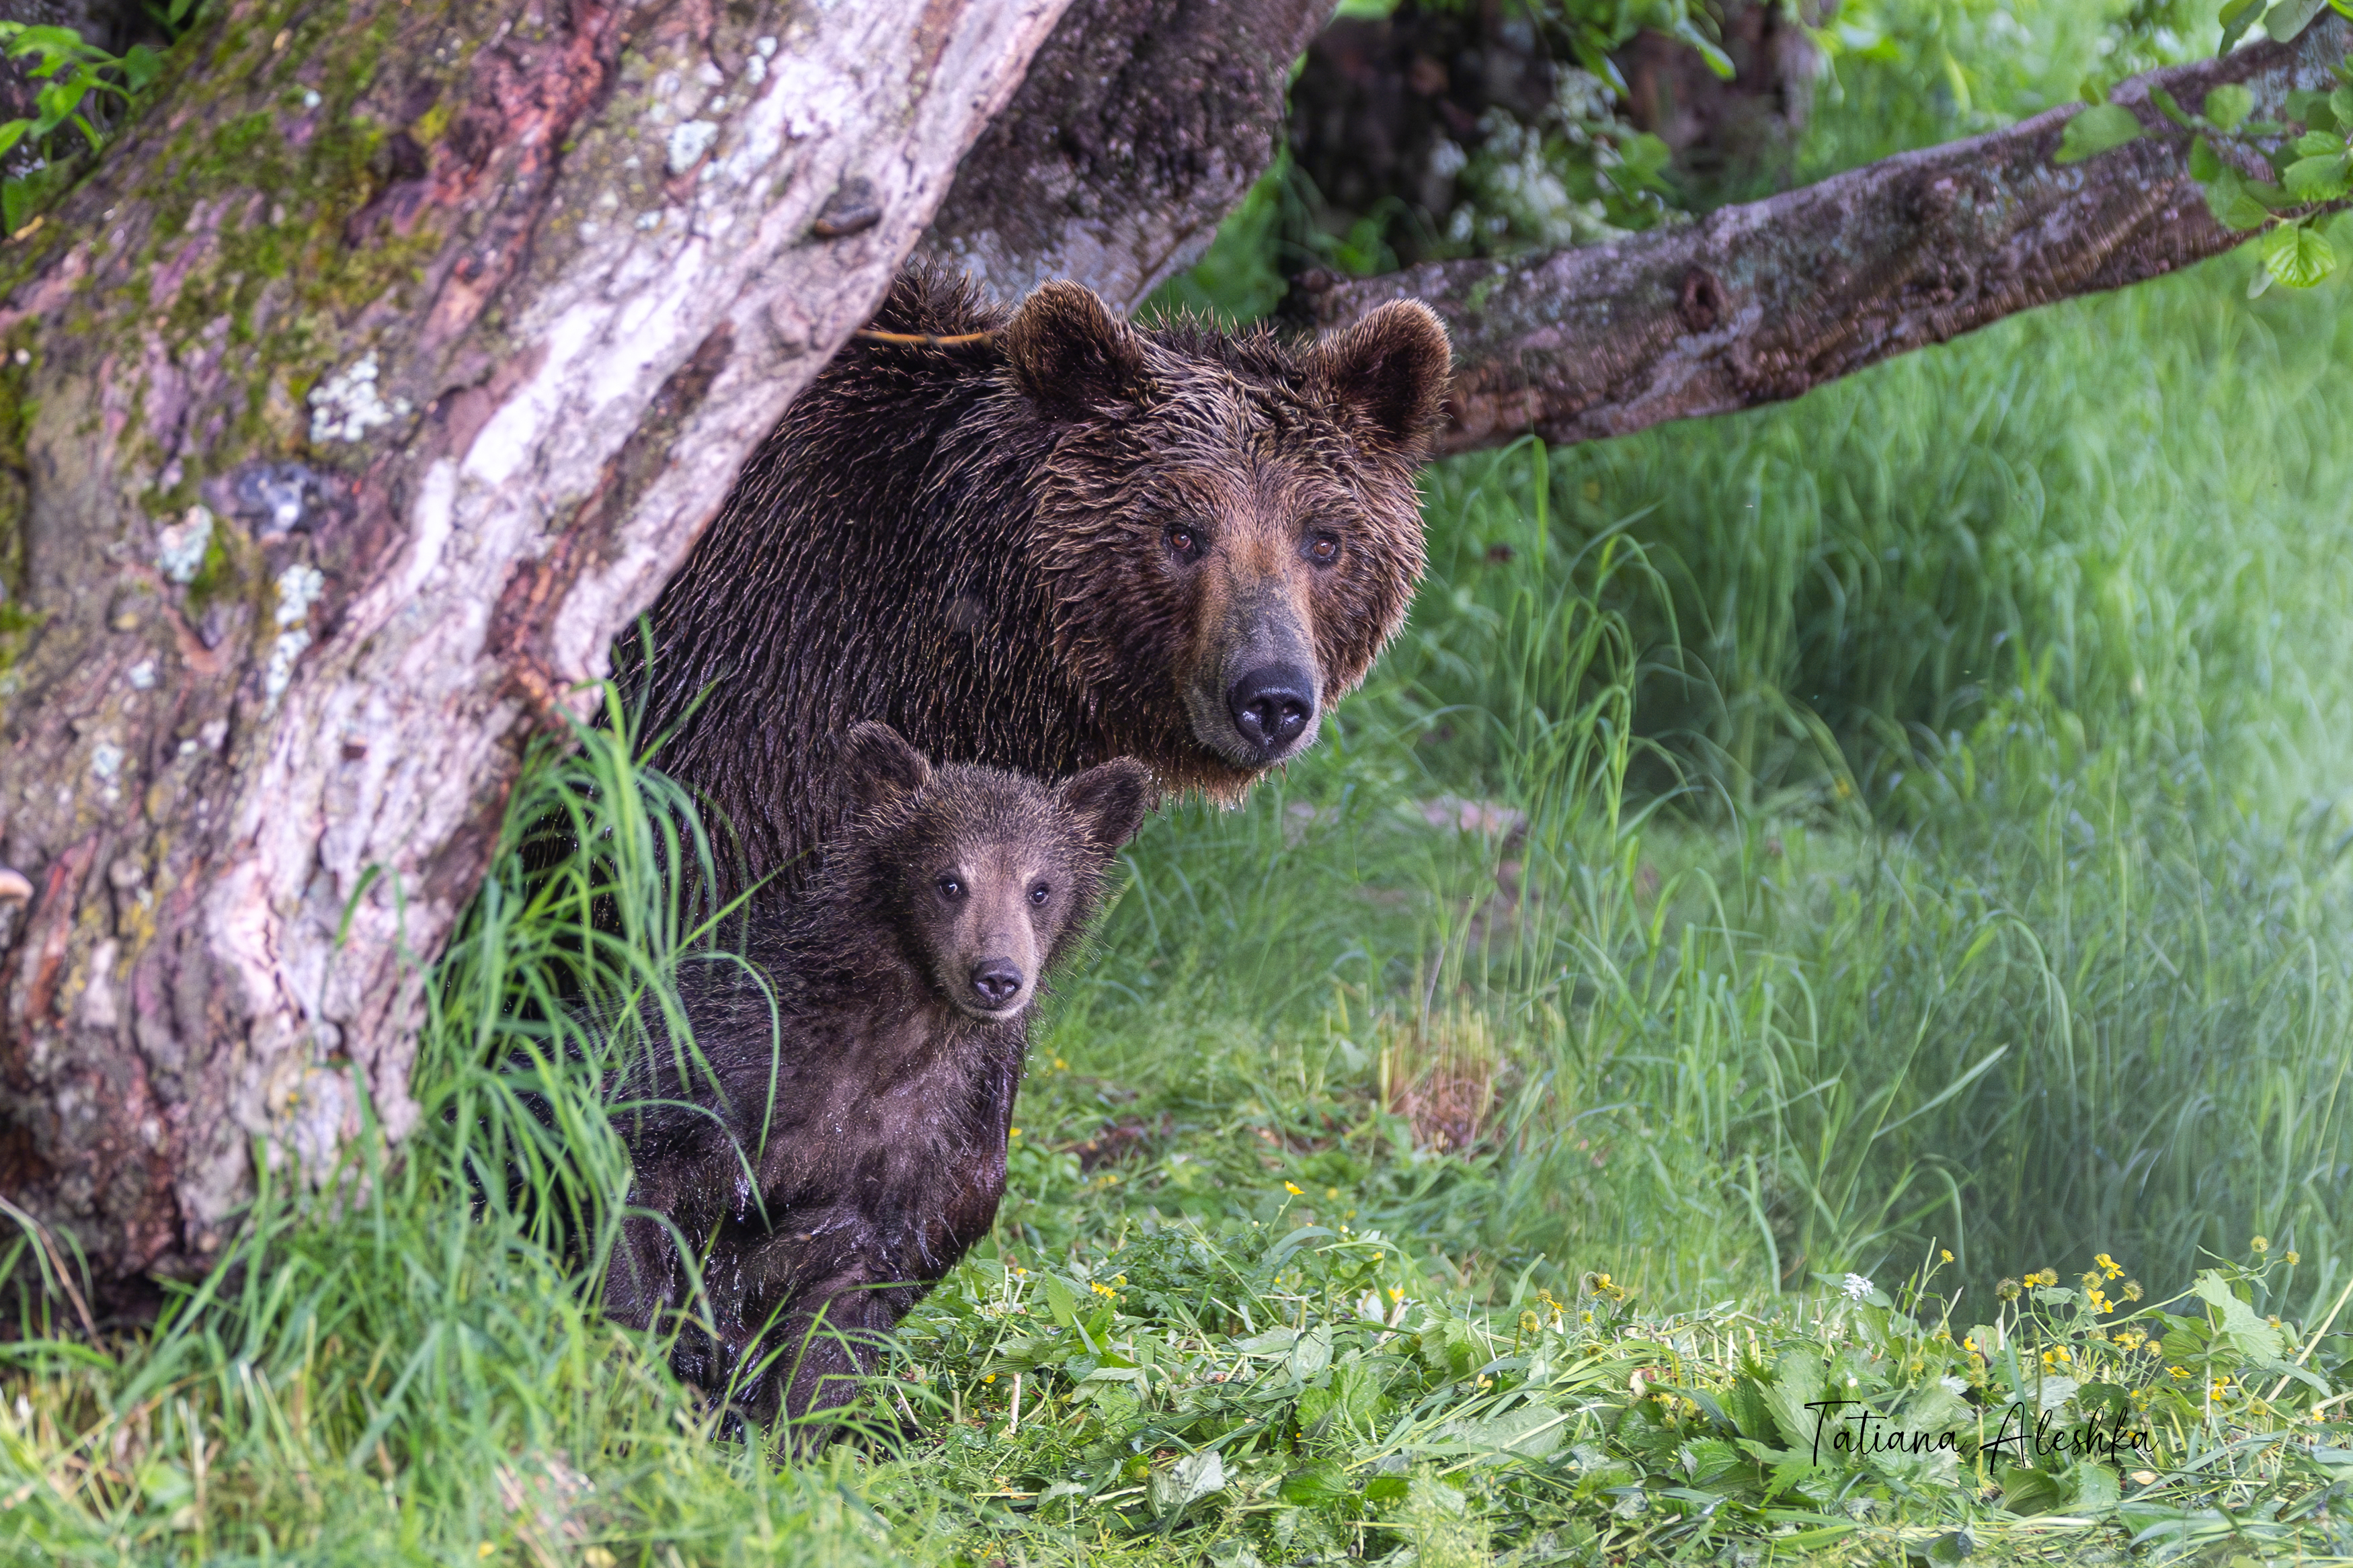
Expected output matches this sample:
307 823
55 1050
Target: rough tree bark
1759 303
379 377
1140 126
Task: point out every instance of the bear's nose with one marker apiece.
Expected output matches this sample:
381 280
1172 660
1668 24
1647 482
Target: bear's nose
1271 706
997 981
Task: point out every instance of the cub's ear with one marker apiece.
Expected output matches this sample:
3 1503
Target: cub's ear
1391 369
1069 354
880 766
1111 799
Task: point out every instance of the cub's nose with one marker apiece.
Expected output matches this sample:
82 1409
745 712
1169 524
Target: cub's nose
1271 706
995 981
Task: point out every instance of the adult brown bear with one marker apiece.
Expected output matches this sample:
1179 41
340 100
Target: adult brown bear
1059 540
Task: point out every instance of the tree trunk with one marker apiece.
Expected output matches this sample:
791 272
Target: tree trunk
1760 302
1140 125
381 374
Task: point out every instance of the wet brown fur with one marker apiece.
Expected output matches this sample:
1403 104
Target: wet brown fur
971 543
830 1159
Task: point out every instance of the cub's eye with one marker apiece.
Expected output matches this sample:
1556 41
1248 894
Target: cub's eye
1184 544
1323 547
1040 893
950 886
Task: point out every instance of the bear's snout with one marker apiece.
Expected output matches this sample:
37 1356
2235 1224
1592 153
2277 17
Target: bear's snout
1273 705
997 982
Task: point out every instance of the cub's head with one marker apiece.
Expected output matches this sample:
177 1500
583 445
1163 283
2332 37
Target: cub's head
985 877
1229 525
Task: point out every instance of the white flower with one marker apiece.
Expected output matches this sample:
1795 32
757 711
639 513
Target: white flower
1856 1287
1955 1384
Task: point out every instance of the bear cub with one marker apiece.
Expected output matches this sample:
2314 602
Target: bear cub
830 1158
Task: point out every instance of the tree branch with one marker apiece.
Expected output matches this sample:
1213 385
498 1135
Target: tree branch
1760 302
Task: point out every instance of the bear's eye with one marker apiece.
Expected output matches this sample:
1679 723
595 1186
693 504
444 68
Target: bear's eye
1040 893
1185 542
950 885
1323 547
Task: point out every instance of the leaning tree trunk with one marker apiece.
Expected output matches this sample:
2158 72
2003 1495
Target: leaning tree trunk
381 374
1763 301
1140 126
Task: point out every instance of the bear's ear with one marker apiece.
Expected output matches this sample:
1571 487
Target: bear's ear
1391 369
1111 799
1069 354
880 766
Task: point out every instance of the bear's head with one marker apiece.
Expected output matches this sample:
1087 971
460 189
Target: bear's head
986 877
1229 526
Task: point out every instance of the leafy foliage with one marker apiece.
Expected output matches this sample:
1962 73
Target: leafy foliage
1274 1392
2305 161
83 89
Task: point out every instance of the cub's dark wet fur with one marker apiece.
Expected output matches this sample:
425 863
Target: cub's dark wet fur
830 1160
1070 539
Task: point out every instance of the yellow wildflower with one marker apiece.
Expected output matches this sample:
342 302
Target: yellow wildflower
1291 1187
2259 1245
2108 1265
1945 1254
2293 1257
2008 1289
2046 1277
2132 1291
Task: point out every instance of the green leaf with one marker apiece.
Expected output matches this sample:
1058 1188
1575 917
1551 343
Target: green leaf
1190 1478
1798 1382
141 65
2229 104
2311 110
1531 1432
2341 108
1951 1549
2318 145
2290 17
2316 179
1059 1301
2091 1489
2233 206
2241 1328
2168 106
2096 130
1706 48
1316 1486
2237 17
2028 1491
2203 164
2298 256
1311 1353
